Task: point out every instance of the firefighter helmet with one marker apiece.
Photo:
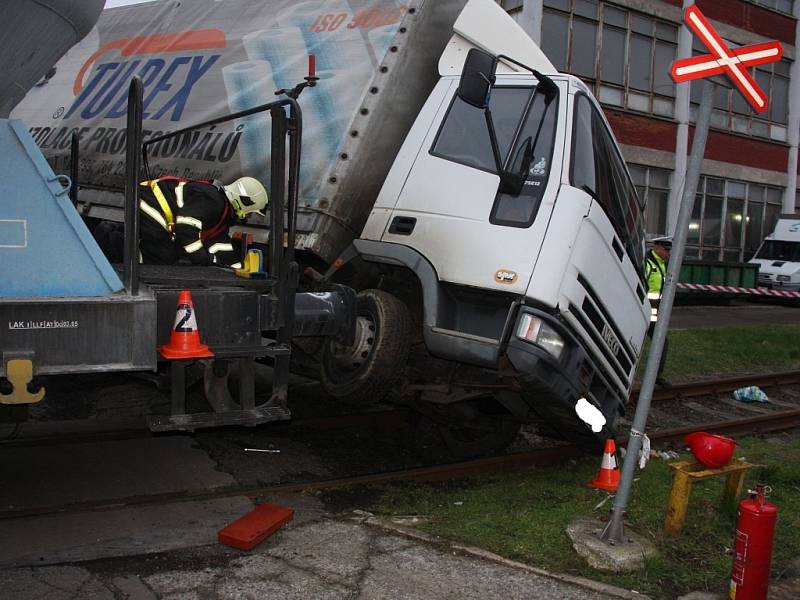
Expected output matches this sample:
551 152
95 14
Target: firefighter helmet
247 195
713 451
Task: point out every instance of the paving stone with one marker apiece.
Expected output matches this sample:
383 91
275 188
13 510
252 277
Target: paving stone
388 544
52 583
178 581
256 567
333 549
24 584
133 588
423 572
128 531
94 590
296 589
64 578
182 596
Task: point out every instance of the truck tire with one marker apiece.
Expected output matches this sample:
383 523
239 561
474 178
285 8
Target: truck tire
365 372
482 427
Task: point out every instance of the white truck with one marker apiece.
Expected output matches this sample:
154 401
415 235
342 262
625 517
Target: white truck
475 196
778 257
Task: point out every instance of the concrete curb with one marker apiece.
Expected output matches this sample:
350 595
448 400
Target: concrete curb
412 533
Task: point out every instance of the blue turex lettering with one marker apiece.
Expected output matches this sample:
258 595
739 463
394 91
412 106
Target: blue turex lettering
167 87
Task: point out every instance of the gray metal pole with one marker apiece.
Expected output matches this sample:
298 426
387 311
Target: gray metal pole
614 531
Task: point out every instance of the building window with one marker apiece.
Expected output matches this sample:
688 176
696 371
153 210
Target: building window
784 6
732 112
652 185
624 56
730 219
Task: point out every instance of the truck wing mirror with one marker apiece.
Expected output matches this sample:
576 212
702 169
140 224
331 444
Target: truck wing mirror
477 78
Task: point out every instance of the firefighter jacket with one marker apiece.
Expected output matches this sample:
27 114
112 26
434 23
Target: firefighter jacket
655 271
196 215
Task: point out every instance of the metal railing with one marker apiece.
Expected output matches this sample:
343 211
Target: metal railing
283 205
74 157
132 176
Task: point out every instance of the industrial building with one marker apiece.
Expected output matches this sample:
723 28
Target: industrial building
623 51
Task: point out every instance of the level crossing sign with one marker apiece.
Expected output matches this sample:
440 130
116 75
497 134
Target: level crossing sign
725 60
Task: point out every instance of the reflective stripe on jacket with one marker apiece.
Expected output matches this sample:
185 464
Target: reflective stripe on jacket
196 215
655 271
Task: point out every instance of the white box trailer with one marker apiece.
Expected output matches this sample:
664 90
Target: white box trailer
778 257
497 238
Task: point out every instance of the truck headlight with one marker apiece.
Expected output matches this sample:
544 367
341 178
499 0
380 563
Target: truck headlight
784 278
536 331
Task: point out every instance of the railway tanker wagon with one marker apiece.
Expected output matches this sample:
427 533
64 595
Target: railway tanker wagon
473 195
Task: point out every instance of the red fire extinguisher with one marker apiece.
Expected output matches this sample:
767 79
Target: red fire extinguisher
752 550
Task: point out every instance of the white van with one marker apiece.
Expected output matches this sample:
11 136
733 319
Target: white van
778 258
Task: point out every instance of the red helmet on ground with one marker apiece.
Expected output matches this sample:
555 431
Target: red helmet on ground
711 450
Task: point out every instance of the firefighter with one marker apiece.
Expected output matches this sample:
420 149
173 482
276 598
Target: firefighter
655 270
191 219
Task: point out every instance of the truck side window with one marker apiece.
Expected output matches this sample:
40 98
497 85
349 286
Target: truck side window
520 211
463 136
598 167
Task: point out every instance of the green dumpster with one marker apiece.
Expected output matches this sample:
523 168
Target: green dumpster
712 272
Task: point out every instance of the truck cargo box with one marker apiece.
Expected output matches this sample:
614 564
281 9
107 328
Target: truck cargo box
376 60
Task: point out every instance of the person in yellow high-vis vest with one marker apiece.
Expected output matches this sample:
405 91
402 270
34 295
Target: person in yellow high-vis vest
655 272
183 219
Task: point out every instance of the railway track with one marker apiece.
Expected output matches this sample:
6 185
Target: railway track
136 428
776 420
720 385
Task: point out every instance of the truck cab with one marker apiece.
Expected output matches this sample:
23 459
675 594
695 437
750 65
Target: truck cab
778 257
539 284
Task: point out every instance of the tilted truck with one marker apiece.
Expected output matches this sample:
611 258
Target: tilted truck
473 195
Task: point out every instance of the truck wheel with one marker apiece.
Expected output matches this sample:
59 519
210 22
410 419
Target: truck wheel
365 372
477 427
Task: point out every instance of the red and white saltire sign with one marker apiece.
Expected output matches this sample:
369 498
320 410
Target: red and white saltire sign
725 60
729 289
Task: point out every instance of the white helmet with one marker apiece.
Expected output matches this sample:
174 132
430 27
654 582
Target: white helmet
247 195
664 240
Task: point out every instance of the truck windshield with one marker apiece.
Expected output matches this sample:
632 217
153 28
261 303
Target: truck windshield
464 138
779 250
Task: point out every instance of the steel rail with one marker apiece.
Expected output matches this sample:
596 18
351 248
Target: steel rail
780 420
378 420
390 417
777 421
709 387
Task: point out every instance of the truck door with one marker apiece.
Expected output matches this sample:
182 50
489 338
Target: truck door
450 205
603 289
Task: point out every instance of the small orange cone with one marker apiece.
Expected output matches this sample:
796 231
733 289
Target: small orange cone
184 341
608 476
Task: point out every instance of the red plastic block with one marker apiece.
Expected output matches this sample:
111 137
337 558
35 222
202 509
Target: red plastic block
250 530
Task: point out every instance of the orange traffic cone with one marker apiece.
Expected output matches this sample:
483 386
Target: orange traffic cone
184 341
608 476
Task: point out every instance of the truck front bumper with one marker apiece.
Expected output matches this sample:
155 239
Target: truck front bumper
553 387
